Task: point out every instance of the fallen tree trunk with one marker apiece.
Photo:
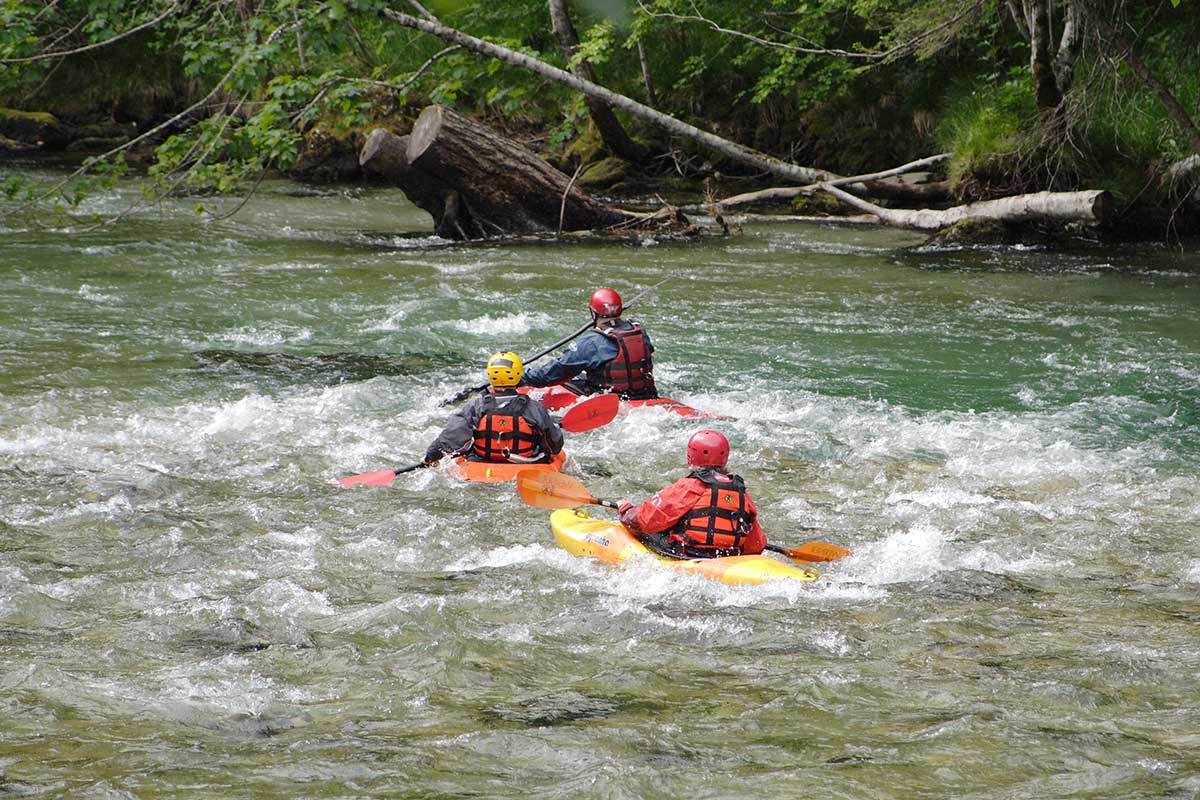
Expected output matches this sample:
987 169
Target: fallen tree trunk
1093 206
872 179
477 184
386 154
744 155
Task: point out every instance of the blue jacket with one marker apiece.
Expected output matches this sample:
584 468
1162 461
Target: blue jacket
590 353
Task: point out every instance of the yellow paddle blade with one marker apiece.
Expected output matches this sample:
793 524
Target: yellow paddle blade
545 489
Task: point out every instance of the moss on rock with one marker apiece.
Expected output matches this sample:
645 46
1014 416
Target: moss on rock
820 204
604 173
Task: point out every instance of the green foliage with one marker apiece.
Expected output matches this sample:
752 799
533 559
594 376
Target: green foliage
272 70
983 121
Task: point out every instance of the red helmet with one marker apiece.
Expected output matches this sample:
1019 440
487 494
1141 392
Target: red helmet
708 449
605 303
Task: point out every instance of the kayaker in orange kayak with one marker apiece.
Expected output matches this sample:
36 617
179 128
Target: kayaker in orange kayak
614 356
707 514
498 424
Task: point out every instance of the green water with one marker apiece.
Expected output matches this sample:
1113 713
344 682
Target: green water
190 607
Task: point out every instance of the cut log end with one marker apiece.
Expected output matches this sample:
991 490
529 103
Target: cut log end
425 131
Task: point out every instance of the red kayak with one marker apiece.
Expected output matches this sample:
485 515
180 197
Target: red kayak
559 397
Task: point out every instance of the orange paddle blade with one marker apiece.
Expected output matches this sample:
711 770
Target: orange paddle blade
383 477
545 489
816 551
591 413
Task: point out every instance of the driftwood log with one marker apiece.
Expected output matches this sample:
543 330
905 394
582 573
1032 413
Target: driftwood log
478 184
1093 207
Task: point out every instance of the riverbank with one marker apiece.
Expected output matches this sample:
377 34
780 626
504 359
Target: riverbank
326 157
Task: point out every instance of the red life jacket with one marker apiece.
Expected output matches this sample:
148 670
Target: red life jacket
503 433
719 521
630 374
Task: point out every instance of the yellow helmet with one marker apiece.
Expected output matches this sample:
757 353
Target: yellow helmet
505 369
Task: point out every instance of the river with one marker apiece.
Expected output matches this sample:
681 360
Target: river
190 607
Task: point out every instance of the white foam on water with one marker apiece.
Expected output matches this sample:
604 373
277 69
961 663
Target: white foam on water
1192 572
510 325
396 314
283 599
252 412
499 557
372 616
261 336
226 684
88 292
938 497
514 633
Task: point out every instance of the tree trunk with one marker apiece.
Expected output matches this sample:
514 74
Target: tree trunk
386 154
477 184
1046 90
647 78
611 131
736 152
1092 206
1170 102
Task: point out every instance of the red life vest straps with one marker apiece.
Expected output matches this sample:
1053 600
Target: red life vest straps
503 433
718 522
631 372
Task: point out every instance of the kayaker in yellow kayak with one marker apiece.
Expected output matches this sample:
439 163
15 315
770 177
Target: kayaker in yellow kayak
498 424
707 514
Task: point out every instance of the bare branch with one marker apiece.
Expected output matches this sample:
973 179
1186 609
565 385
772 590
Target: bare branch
788 192
871 55
96 45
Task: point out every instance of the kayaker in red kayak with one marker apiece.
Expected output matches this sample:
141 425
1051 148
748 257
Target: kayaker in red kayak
704 515
498 424
614 356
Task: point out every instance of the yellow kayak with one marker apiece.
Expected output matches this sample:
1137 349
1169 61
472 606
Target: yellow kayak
578 532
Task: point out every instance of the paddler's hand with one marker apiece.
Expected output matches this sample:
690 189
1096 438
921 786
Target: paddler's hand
628 513
432 455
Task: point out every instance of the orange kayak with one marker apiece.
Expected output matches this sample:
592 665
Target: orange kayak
499 472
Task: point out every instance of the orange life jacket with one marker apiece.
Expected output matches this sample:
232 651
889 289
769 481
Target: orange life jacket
503 433
719 521
630 374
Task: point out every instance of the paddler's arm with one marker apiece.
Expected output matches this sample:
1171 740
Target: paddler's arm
663 510
756 540
589 351
459 432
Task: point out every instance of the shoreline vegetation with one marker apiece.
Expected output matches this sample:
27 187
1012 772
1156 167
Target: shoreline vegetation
1038 121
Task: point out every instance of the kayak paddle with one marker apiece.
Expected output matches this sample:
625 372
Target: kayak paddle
470 390
591 413
555 490
545 489
811 552
382 477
